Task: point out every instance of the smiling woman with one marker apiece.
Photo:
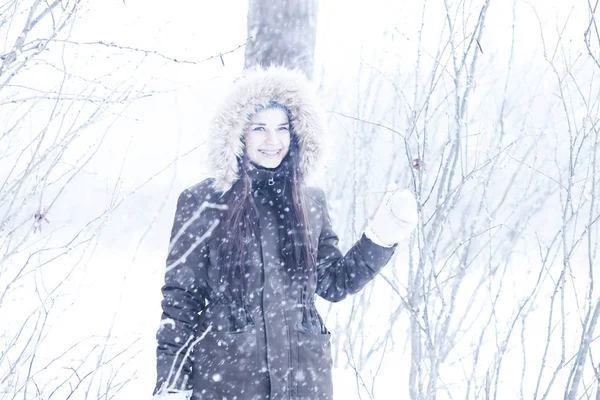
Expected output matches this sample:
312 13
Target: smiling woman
252 246
267 138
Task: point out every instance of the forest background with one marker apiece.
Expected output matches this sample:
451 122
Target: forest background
487 110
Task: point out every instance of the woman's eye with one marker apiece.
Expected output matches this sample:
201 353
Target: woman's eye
259 128
283 128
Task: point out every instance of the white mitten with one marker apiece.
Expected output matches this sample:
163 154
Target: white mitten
395 219
173 395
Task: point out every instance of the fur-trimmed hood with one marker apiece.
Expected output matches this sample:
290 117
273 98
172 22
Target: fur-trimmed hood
259 87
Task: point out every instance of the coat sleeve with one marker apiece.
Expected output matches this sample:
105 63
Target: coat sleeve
183 297
341 275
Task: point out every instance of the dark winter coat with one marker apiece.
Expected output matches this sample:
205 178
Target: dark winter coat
272 343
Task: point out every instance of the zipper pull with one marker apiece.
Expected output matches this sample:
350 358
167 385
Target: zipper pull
271 181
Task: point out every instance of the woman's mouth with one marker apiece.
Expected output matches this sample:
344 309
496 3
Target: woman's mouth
270 153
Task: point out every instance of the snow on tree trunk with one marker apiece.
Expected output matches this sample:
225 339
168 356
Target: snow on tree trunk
282 33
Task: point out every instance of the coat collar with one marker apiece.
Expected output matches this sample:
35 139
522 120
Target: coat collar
267 176
269 182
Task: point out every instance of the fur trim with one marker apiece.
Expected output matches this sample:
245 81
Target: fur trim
258 87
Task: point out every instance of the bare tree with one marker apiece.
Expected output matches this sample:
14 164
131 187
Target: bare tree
55 119
282 33
48 114
494 296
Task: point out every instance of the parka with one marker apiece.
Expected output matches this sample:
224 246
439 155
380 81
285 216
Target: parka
268 342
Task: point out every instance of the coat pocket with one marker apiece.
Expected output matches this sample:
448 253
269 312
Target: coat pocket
313 376
225 363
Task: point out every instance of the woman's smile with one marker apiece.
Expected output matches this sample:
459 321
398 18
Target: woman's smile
270 153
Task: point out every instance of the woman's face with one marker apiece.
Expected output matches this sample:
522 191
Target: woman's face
268 137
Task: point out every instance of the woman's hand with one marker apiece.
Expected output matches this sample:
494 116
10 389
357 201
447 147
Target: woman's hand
395 219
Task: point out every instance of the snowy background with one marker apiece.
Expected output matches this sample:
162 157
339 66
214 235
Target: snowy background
107 123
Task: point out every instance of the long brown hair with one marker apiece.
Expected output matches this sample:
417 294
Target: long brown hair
241 225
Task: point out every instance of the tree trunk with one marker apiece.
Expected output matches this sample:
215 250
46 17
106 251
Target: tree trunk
282 32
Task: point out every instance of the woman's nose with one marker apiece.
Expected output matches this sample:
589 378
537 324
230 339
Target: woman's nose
271 136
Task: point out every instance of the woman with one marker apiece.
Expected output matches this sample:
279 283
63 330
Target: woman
252 246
